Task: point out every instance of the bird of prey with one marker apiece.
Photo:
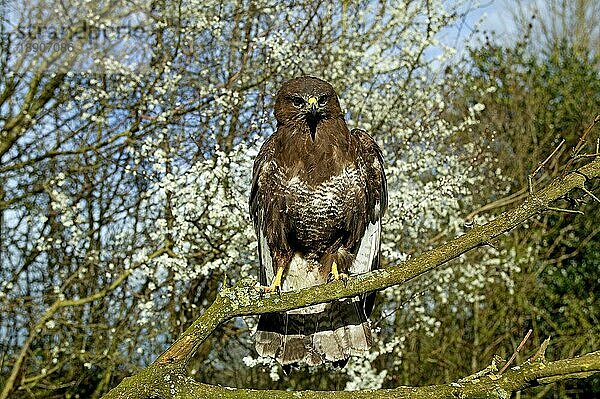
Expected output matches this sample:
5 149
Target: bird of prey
318 195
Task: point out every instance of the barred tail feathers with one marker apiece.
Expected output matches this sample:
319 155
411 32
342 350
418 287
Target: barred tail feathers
314 334
340 330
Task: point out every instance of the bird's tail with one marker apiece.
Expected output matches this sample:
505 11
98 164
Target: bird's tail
315 334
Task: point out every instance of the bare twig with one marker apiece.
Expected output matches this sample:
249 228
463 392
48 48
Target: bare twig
541 165
512 198
514 355
588 192
552 208
540 355
581 142
594 155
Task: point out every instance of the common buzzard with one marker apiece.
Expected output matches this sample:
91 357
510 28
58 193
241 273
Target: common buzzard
318 195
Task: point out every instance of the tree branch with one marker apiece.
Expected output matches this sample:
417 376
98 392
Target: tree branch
166 376
157 383
51 311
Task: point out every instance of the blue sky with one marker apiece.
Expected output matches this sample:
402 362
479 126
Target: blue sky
490 16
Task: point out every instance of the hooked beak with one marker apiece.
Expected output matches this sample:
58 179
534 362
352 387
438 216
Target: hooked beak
313 108
313 116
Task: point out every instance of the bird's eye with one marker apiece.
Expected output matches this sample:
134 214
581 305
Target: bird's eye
297 101
323 100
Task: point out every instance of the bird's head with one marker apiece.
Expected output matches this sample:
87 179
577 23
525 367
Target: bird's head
306 100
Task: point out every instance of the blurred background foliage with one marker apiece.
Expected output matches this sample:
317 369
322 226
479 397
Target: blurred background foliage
141 172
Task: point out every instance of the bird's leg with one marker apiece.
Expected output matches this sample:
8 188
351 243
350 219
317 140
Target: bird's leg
336 275
281 261
275 285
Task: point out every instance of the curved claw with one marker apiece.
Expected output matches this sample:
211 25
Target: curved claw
330 277
275 286
335 275
262 290
344 278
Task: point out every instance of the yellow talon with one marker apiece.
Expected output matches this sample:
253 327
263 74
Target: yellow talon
275 285
336 275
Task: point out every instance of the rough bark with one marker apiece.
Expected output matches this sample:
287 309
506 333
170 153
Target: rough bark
166 377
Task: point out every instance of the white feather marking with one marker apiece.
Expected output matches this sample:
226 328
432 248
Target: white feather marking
303 273
294 181
368 250
377 210
265 252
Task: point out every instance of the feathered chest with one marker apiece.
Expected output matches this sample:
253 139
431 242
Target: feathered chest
317 215
313 192
331 197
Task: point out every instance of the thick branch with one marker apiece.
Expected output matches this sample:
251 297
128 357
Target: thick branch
172 384
243 300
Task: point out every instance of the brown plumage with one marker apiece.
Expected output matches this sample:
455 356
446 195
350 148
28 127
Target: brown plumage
318 195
